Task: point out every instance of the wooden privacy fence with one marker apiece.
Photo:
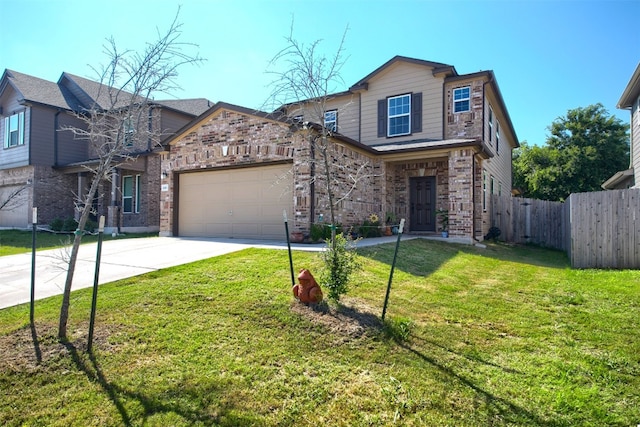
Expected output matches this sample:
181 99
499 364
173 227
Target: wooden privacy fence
597 230
529 221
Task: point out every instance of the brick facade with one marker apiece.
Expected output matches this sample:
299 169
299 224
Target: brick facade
231 139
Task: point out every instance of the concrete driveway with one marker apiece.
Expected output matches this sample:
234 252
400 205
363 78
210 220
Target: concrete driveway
121 259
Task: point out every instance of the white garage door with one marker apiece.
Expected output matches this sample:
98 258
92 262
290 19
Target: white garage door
239 203
14 203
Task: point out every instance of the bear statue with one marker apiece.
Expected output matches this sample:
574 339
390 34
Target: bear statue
308 290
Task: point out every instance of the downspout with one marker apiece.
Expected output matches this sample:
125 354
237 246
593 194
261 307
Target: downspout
55 137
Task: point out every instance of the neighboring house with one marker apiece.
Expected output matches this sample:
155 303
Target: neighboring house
428 137
630 100
48 167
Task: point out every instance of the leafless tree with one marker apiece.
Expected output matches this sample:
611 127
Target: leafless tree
118 120
306 85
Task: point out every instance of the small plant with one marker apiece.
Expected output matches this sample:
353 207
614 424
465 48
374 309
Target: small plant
493 234
399 329
340 262
390 219
443 219
371 226
317 232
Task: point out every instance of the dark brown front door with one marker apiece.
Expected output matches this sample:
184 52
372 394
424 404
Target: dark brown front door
422 199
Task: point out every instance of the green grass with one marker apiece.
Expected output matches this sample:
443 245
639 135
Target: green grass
500 336
19 241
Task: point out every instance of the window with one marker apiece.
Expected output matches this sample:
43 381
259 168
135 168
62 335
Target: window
331 120
129 131
484 190
490 124
493 185
497 137
461 99
399 115
127 194
14 130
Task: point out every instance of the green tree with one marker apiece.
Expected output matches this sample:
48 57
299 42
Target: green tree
584 149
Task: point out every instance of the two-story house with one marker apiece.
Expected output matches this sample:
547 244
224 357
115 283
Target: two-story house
44 165
410 138
630 100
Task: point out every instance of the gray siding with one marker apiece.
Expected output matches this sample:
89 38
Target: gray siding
635 141
69 149
15 156
42 129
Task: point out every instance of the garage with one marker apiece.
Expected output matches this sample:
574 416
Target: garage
237 203
14 206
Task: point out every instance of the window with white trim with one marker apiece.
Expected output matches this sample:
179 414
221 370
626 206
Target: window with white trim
127 194
462 99
497 137
484 190
331 120
14 130
490 124
399 115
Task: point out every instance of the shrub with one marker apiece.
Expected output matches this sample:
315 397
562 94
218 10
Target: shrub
340 261
57 224
70 224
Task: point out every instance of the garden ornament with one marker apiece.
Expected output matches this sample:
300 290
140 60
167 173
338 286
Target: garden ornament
308 290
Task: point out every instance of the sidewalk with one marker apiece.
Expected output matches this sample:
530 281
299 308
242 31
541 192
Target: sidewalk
121 259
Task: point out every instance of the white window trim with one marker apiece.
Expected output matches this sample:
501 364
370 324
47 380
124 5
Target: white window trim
497 137
20 130
490 125
124 177
136 191
484 190
456 101
390 116
334 121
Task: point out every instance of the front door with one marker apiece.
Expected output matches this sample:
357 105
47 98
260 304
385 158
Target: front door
422 199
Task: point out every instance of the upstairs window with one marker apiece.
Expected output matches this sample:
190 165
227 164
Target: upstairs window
14 130
497 137
490 125
399 115
331 120
462 99
128 131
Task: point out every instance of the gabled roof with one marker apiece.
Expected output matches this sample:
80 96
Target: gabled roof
437 68
195 106
40 91
94 94
632 91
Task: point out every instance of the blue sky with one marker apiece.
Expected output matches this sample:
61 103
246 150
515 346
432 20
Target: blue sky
548 56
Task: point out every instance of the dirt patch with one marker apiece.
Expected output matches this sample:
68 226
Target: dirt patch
350 319
28 349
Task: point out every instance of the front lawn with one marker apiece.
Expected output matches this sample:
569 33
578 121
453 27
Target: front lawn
500 336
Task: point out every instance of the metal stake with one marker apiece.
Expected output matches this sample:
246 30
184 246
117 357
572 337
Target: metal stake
286 230
34 221
94 299
393 267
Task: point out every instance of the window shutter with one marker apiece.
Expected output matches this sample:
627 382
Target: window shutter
416 112
382 118
6 132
